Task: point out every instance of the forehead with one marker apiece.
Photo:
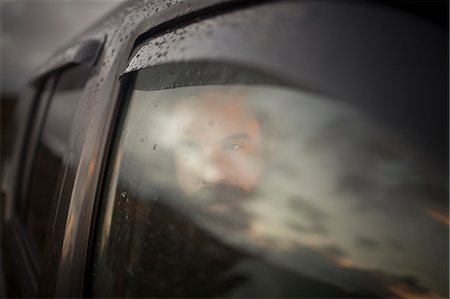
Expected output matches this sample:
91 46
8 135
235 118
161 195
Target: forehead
214 113
213 103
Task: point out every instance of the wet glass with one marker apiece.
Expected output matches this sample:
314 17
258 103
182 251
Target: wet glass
224 182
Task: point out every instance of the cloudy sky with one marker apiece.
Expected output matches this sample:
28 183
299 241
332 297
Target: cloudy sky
32 30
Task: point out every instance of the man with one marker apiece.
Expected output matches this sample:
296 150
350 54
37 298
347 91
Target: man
218 150
216 144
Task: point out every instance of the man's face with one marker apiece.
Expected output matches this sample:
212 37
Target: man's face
218 143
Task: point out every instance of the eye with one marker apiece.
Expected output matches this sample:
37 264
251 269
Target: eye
232 147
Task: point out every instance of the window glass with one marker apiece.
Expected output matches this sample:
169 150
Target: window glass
228 183
46 172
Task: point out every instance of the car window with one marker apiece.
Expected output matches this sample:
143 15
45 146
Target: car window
226 182
46 172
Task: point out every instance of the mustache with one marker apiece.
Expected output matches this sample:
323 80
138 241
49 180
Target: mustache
219 194
222 204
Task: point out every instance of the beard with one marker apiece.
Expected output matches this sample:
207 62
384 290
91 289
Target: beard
222 205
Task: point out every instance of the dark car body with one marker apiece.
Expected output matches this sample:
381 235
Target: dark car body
388 62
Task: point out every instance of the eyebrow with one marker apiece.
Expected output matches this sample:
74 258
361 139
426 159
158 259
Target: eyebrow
237 136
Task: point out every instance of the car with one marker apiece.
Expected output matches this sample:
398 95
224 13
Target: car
222 148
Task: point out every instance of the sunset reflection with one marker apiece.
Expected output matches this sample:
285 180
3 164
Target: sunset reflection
439 216
405 292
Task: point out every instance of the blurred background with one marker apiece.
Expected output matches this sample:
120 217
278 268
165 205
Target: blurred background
31 31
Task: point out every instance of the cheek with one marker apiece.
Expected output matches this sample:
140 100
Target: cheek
188 162
186 170
246 169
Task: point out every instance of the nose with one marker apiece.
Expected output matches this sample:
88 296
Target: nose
214 171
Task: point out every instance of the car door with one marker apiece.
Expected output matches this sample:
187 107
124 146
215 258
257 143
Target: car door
264 150
38 171
17 250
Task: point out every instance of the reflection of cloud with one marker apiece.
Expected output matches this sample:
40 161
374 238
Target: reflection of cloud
341 202
405 292
333 251
329 266
439 216
307 212
394 244
366 243
345 263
